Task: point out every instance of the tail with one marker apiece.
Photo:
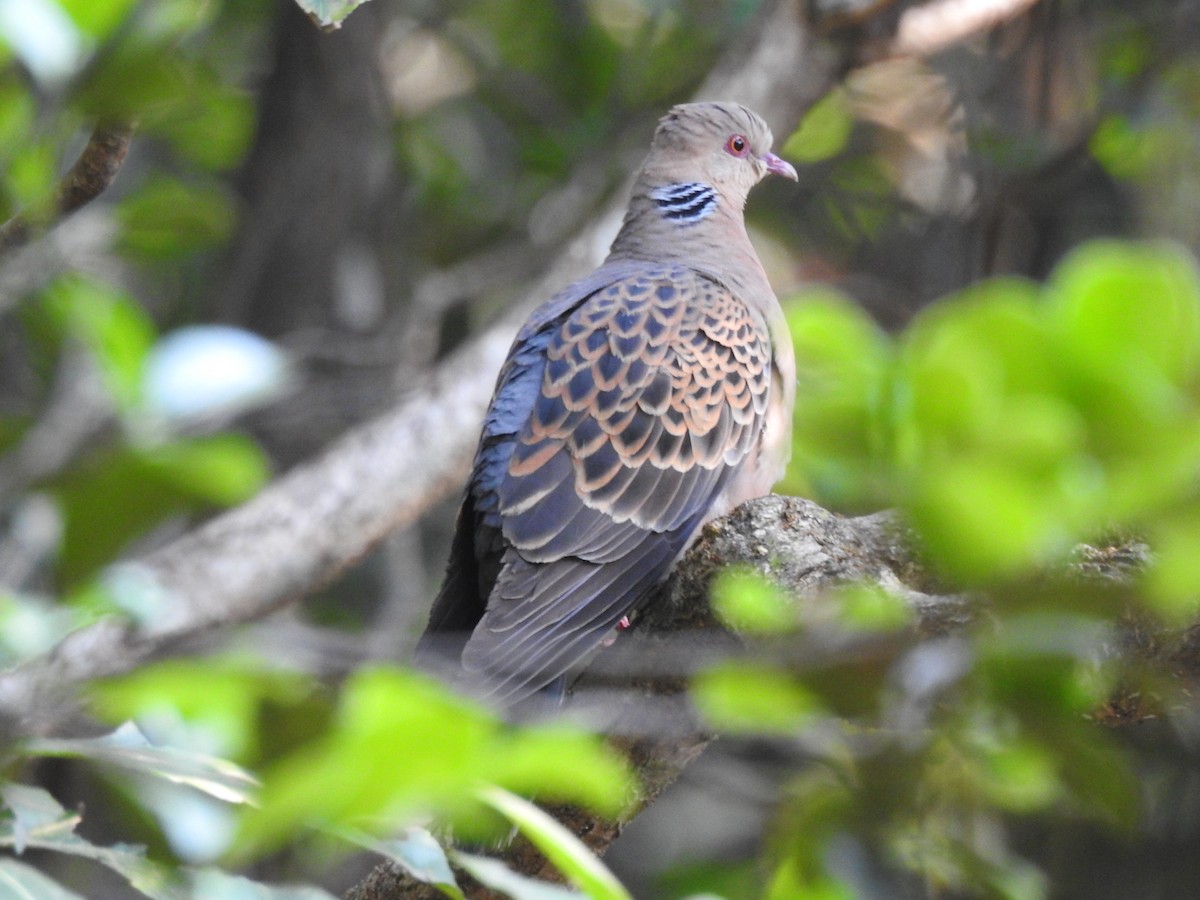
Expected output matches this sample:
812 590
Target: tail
459 604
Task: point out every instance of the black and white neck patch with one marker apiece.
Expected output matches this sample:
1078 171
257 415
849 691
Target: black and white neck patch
685 202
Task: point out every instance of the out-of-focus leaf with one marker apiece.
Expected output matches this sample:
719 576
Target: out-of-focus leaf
40 822
119 495
495 874
871 608
167 218
417 852
223 469
198 827
114 328
1174 581
824 130
751 697
982 519
213 703
30 625
43 37
128 748
217 884
1132 308
403 746
568 854
210 370
787 883
212 126
97 19
31 174
17 113
1127 151
329 14
20 881
749 603
841 433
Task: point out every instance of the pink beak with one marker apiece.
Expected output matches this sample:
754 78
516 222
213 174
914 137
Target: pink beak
778 166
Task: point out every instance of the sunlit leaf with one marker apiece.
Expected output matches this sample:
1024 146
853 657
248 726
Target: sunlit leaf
97 18
824 130
751 697
417 852
495 874
30 625
568 854
1131 308
128 748
402 747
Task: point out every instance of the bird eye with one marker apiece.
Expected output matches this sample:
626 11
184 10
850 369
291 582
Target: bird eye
737 145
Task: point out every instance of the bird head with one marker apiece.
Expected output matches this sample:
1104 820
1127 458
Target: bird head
724 145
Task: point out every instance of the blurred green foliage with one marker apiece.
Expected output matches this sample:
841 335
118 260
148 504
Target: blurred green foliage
1014 420
1008 423
401 746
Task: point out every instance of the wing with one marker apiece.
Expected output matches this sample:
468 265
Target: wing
478 546
653 393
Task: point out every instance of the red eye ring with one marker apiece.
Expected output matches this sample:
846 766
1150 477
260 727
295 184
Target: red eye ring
737 145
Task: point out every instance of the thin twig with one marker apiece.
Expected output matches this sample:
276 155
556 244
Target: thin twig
93 172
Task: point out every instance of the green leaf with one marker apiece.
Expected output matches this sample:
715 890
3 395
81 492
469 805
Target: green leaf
35 814
40 822
31 174
754 698
97 19
1129 152
402 747
128 748
120 494
224 469
568 854
113 327
749 603
840 432
21 882
823 132
329 14
167 218
984 519
1131 307
1173 583
216 701
496 875
417 852
869 607
215 883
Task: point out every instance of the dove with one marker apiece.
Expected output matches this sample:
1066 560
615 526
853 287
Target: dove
634 405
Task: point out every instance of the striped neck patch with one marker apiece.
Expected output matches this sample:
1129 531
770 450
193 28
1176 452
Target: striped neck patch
685 202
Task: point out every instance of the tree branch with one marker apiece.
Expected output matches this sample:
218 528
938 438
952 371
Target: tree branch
934 26
93 172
